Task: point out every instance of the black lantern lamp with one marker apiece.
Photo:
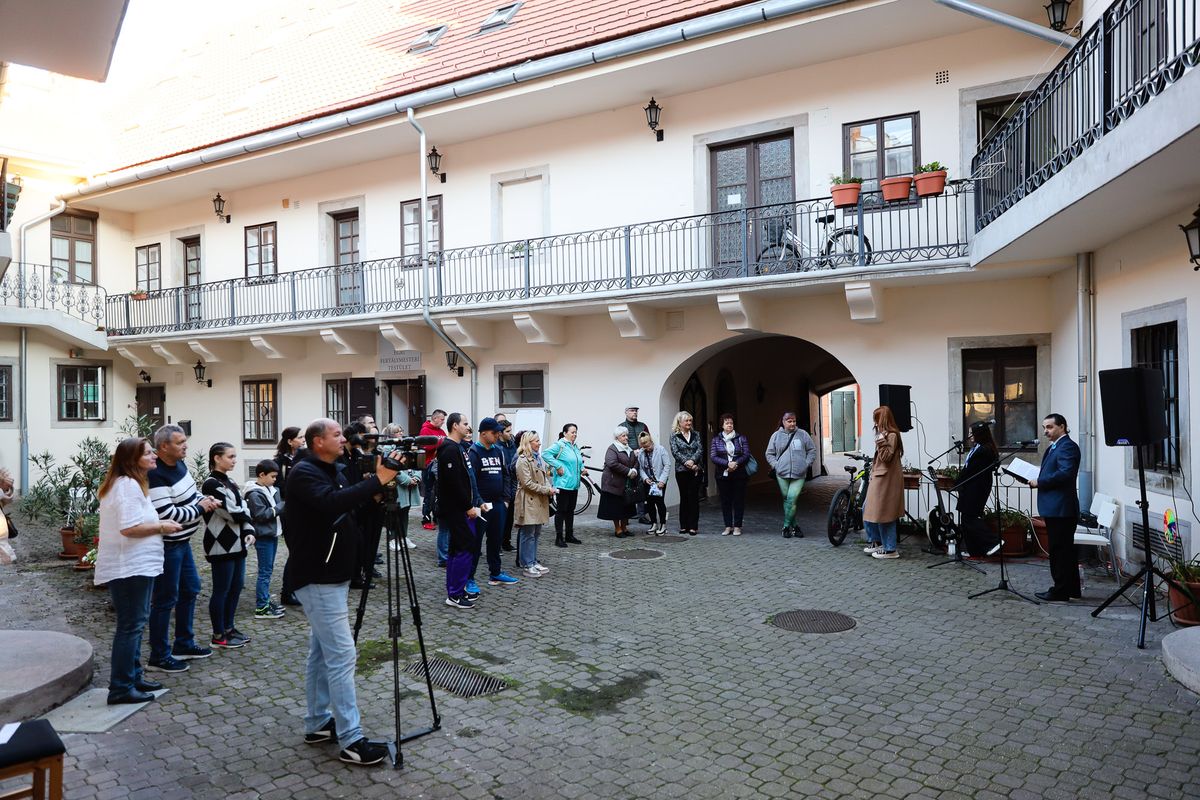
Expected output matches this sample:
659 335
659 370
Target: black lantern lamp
199 370
219 208
653 115
145 376
435 164
1057 13
1192 232
452 362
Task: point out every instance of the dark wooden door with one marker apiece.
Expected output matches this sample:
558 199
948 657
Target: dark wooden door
362 398
152 402
744 176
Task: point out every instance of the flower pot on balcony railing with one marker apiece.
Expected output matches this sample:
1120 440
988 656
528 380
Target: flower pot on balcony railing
896 189
138 294
930 179
845 190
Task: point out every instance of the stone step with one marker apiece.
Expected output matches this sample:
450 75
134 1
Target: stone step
40 670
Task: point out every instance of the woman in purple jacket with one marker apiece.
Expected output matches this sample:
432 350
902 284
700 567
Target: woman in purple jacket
730 453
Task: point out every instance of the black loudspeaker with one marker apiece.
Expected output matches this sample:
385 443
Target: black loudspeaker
1135 412
896 398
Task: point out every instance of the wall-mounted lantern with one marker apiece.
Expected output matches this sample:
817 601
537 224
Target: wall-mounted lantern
653 115
435 164
199 370
452 362
219 208
1056 12
1192 232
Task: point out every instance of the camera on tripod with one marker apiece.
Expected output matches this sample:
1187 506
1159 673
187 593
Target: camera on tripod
397 454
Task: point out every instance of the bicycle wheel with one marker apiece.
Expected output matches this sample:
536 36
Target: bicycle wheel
842 249
839 522
584 498
776 259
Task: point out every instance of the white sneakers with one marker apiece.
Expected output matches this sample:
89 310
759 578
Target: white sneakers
536 571
881 553
872 549
727 531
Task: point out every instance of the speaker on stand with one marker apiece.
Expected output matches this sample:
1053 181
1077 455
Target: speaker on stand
896 398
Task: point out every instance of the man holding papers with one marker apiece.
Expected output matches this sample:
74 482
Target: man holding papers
1058 504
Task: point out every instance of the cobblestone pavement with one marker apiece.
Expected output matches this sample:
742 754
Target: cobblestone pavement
661 678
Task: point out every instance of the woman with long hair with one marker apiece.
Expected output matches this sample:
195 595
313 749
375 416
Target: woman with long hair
620 471
687 450
228 535
974 485
730 453
566 466
532 506
290 442
128 558
885 494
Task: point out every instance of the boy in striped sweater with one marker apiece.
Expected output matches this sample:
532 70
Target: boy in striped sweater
175 498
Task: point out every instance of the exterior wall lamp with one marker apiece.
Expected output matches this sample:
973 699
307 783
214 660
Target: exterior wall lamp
435 164
653 115
452 362
219 208
1192 232
1057 13
145 376
199 370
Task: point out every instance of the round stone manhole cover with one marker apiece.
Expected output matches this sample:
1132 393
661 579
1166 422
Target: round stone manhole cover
813 621
636 553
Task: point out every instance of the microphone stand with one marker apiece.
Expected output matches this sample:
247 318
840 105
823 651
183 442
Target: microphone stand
956 447
952 528
1003 585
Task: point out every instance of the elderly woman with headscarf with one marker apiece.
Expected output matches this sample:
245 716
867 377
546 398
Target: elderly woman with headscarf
618 483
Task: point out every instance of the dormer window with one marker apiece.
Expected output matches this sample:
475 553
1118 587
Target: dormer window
427 40
500 17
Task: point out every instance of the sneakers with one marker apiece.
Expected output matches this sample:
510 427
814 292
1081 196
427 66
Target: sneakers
189 652
269 611
232 639
169 664
503 579
322 735
460 602
429 526
787 532
871 549
540 567
533 572
881 553
234 633
472 589
737 531
364 753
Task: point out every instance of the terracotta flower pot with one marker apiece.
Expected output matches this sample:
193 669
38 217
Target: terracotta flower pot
896 189
845 194
930 184
70 549
1042 537
946 483
1014 541
912 480
139 296
1183 610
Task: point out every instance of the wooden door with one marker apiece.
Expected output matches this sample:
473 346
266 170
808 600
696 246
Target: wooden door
151 402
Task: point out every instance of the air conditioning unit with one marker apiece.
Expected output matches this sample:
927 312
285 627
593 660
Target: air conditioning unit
1136 536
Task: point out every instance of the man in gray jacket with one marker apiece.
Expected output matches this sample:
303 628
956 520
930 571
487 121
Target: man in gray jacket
790 453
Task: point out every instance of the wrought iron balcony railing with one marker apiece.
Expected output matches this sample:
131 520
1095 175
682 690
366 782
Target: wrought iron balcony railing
38 286
1132 54
742 244
10 190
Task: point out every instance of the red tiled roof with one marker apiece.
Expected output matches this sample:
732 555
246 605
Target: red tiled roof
288 62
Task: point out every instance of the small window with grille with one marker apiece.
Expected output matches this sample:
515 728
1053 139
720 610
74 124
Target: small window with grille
525 389
1157 347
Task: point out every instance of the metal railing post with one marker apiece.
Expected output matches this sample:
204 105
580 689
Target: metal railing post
21 282
232 312
862 255
292 288
439 277
1106 51
628 257
745 226
528 255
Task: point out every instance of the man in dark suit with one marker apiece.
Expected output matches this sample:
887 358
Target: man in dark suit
1058 504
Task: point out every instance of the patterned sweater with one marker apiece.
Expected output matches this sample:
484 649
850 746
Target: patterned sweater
174 495
226 528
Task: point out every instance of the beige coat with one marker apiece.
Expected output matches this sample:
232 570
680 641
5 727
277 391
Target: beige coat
532 505
885 494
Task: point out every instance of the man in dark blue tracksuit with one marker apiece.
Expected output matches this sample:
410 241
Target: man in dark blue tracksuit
487 461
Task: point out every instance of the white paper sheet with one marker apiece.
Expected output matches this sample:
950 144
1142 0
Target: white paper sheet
1022 469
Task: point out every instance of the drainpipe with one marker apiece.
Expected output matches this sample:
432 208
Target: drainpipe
424 248
23 353
1085 332
1009 21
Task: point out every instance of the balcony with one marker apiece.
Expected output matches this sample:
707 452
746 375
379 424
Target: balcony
1101 99
33 295
802 242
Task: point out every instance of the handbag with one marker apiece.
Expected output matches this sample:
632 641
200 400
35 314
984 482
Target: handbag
632 492
771 474
751 467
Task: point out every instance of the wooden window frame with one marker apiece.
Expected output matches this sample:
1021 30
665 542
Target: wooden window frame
152 282
338 218
337 389
541 390
6 393
880 150
1163 457
192 293
60 399
270 420
433 248
998 356
261 277
72 237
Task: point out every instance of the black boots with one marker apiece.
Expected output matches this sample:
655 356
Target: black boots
559 541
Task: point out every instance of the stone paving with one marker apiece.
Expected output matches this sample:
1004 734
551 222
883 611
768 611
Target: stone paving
661 678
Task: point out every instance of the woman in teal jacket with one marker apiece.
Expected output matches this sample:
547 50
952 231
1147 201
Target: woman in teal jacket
566 466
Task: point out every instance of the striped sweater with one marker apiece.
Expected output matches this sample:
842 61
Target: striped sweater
174 495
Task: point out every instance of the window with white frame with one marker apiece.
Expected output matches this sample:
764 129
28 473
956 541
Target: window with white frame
81 393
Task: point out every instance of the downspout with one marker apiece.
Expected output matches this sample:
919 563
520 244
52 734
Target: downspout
1085 333
424 251
1009 21
23 353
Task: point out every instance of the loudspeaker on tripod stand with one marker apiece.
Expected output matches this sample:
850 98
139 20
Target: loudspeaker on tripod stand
896 398
1133 405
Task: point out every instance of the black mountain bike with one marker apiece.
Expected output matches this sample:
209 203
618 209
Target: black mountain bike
791 254
846 508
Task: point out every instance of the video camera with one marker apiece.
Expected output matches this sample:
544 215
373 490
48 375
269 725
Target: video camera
395 450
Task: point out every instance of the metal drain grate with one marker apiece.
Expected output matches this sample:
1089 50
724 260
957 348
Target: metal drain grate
670 538
813 621
457 678
636 553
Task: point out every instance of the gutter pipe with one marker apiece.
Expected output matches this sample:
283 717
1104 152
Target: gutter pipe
1085 333
23 352
720 22
1009 21
424 251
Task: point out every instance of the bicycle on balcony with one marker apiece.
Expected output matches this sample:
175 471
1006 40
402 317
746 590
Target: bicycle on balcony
790 253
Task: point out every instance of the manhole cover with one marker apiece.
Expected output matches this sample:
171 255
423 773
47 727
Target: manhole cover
671 538
813 621
457 678
636 553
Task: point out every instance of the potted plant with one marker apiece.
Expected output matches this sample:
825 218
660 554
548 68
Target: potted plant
87 539
65 492
517 250
1185 609
930 179
1014 530
139 294
912 476
896 189
845 190
947 477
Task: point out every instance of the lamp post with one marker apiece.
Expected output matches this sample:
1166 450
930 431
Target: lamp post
653 115
1057 13
1192 232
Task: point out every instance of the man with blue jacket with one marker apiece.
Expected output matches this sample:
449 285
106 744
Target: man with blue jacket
1058 504
490 467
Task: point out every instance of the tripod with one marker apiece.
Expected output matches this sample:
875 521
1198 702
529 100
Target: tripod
1003 585
398 562
1148 571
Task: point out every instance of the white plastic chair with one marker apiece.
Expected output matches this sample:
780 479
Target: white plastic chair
1105 510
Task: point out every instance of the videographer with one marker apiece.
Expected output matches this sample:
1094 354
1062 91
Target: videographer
456 510
324 541
358 459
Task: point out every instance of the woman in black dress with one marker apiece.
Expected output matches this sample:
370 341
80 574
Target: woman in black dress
974 486
619 471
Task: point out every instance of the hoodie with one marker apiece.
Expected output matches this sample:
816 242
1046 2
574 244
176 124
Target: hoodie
266 510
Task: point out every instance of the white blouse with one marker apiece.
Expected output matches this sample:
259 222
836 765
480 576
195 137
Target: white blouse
124 506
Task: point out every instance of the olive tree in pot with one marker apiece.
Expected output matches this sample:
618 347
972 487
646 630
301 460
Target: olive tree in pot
1185 601
64 493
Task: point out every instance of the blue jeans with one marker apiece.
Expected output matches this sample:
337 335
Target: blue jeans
493 534
265 547
443 542
228 576
527 542
882 533
176 588
428 489
329 676
131 601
